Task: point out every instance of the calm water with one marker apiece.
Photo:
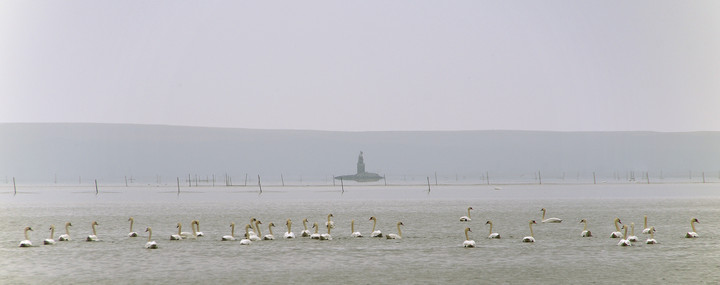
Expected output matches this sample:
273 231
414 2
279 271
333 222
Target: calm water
430 251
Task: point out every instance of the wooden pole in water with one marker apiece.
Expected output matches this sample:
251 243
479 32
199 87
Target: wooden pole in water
594 181
342 185
178 183
487 177
428 180
539 178
333 179
126 181
259 185
436 178
246 179
189 180
703 176
14 187
96 187
213 179
282 180
384 180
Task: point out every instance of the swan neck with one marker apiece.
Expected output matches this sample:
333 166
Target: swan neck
617 228
645 227
468 212
585 227
179 229
374 223
305 224
289 227
531 231
543 217
352 226
490 229
192 225
52 232
625 232
692 224
467 237
93 227
67 229
399 231
232 230
632 229
131 224
258 229
26 234
149 234
270 229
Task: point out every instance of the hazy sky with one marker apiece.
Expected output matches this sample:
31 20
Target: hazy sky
364 65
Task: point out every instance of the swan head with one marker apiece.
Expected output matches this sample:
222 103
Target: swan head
533 222
400 224
488 223
315 225
52 227
305 220
468 230
470 208
652 229
583 221
178 225
330 215
542 210
232 225
258 222
148 229
131 219
694 220
373 218
28 229
617 220
68 224
288 222
271 225
95 223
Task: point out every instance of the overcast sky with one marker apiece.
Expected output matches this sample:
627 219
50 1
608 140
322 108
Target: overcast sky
364 65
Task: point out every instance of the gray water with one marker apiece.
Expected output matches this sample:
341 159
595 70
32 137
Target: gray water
430 251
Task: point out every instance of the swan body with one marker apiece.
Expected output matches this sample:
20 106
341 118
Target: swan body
252 228
375 233
269 236
646 230
692 234
624 242
466 218
617 233
50 241
585 232
468 242
93 237
305 232
132 234
491 234
398 235
151 244
179 235
632 236
326 236
549 220
329 222
352 230
26 242
197 233
231 237
246 241
651 240
255 236
316 235
530 238
66 236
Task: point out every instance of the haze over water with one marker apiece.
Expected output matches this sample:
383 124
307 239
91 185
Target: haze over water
430 251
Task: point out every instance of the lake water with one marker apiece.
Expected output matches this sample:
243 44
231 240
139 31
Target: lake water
430 251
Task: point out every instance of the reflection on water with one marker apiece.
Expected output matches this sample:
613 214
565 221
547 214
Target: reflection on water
430 252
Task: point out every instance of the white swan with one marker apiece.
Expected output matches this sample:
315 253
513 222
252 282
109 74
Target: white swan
182 234
549 220
246 241
329 222
269 236
66 236
326 236
646 230
492 234
616 233
530 238
624 242
692 234
52 233
197 233
179 235
316 235
632 236
398 235
132 234
375 233
468 242
305 232
289 233
585 232
26 242
255 236
231 237
466 218
151 244
352 230
651 240
93 237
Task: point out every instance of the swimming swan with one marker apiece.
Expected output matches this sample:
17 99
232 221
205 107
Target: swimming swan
492 234
316 235
375 233
255 236
549 220
329 222
197 233
646 230
624 242
632 236
616 233
352 230
246 241
466 218
231 237
585 232
398 235
305 232
66 236
289 233
52 233
26 242
269 236
692 234
93 237
651 240
530 238
151 244
326 236
179 235
468 242
132 234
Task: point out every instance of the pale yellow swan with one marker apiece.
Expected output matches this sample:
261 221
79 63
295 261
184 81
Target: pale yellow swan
132 234
617 233
375 233
530 238
692 234
352 230
305 232
179 235
492 234
651 240
231 237
329 222
289 233
646 230
26 242
66 236
549 220
466 218
398 235
256 236
52 233
316 235
197 233
151 244
468 242
93 237
624 242
246 241
269 236
632 236
585 232
327 236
